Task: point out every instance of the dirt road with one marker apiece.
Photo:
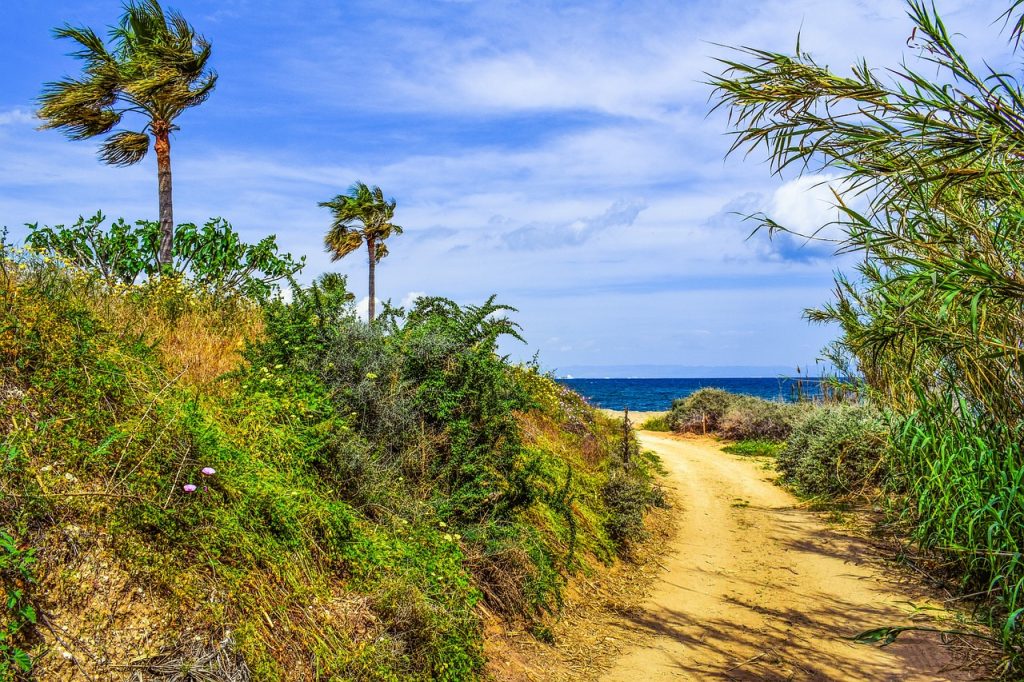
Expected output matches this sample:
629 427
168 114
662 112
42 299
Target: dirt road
756 588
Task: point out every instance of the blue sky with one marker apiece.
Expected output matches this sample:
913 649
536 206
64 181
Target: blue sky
557 154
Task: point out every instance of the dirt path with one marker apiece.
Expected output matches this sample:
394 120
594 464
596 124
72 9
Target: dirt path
756 588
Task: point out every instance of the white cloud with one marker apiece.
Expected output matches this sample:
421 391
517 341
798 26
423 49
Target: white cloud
363 307
17 116
410 299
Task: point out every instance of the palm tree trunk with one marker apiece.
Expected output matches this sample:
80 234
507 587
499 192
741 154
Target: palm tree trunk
162 131
371 245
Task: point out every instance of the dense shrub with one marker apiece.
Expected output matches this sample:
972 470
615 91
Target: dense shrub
835 450
733 416
701 411
629 492
658 422
756 419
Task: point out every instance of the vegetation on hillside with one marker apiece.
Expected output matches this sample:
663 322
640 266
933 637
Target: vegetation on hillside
261 488
933 205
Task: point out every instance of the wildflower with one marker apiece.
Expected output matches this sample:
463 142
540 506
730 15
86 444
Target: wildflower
209 471
448 537
278 366
189 488
442 524
371 375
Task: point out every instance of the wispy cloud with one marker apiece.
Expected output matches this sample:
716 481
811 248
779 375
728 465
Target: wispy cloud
17 117
619 215
518 140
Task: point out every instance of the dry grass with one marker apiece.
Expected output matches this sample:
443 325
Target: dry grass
198 342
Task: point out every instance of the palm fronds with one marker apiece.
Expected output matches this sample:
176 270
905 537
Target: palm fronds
155 65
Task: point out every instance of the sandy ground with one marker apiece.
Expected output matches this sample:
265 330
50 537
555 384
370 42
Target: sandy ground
756 588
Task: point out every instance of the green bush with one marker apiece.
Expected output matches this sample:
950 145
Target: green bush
750 418
836 450
658 422
701 411
733 416
630 492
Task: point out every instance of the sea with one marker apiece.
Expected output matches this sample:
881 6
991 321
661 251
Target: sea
651 395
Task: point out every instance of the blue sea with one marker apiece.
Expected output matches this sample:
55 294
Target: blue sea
648 395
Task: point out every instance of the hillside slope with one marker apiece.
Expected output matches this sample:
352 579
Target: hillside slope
281 491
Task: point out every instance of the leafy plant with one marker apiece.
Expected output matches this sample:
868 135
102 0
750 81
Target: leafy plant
836 450
213 256
16 611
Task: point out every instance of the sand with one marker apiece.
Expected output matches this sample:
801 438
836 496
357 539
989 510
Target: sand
756 587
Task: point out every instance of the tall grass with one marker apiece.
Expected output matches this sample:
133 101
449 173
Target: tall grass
963 474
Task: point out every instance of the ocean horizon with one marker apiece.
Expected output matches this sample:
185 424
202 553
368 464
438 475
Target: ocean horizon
657 394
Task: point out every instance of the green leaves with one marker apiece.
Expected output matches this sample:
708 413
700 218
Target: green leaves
213 255
15 574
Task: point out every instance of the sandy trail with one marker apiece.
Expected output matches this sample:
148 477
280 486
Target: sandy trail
757 589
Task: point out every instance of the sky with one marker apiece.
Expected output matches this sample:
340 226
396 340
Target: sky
560 155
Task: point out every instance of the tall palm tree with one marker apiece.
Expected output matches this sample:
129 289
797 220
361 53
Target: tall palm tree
362 215
154 66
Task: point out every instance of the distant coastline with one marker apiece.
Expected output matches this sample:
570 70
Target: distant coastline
688 371
651 394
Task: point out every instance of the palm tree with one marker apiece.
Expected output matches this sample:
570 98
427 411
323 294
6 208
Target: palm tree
154 66
362 215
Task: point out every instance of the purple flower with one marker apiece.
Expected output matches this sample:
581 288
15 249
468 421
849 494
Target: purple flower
189 488
209 471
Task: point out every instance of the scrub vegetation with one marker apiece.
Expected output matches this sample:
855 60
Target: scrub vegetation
193 477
